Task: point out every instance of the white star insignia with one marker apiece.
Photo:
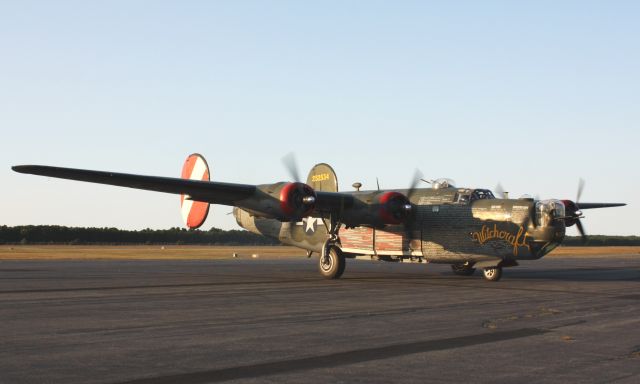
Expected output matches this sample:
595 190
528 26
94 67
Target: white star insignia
310 224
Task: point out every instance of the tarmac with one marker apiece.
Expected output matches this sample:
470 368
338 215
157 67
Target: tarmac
245 320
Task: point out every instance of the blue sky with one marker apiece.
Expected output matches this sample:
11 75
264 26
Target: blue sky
533 95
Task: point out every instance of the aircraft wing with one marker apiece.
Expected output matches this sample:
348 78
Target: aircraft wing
599 205
208 191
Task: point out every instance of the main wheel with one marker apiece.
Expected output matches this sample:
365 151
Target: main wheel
332 264
463 269
493 273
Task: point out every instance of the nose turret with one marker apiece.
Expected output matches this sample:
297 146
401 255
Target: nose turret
549 226
548 212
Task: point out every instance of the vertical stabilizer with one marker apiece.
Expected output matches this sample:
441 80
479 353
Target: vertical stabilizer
194 213
323 178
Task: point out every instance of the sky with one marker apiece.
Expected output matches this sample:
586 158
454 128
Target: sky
533 95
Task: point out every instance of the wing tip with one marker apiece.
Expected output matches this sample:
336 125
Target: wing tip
20 168
30 169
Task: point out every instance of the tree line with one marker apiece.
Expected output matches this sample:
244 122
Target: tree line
56 234
601 240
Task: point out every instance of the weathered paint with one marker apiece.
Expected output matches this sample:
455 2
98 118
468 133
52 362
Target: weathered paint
446 228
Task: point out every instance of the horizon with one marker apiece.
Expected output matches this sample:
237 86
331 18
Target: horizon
201 229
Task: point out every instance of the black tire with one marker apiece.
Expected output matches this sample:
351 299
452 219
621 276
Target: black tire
342 265
463 269
492 274
332 265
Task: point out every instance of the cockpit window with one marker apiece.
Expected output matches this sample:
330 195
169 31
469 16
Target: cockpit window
482 194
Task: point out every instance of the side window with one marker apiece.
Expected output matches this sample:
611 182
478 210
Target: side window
481 194
463 198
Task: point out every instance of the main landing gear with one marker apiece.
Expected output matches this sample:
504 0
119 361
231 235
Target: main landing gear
331 263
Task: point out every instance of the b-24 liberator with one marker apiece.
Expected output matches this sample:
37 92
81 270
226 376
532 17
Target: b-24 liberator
468 228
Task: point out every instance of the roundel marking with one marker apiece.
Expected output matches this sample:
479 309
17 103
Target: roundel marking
194 213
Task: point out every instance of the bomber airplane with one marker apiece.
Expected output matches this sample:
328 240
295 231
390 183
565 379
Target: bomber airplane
468 228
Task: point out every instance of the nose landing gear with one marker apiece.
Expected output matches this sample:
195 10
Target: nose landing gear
492 273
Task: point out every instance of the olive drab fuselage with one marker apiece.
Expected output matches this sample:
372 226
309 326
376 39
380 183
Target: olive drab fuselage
449 225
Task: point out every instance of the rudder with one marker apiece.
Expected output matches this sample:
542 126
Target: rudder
194 213
323 178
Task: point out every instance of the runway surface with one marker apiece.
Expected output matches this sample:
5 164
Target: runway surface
277 321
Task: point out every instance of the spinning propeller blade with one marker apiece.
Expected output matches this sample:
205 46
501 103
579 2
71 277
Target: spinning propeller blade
291 165
573 212
299 188
578 213
417 176
580 228
408 222
580 188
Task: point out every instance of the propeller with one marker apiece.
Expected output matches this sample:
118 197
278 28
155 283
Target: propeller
290 163
583 236
417 177
297 198
409 220
573 212
396 207
580 188
578 212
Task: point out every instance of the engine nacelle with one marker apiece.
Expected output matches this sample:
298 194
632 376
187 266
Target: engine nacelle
297 200
394 207
378 209
281 201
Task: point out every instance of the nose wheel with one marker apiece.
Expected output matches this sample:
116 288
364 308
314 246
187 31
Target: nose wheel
492 273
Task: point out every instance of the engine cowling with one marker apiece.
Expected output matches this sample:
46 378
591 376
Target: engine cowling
394 207
297 200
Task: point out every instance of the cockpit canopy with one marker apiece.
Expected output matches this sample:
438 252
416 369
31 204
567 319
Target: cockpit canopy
481 194
465 196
